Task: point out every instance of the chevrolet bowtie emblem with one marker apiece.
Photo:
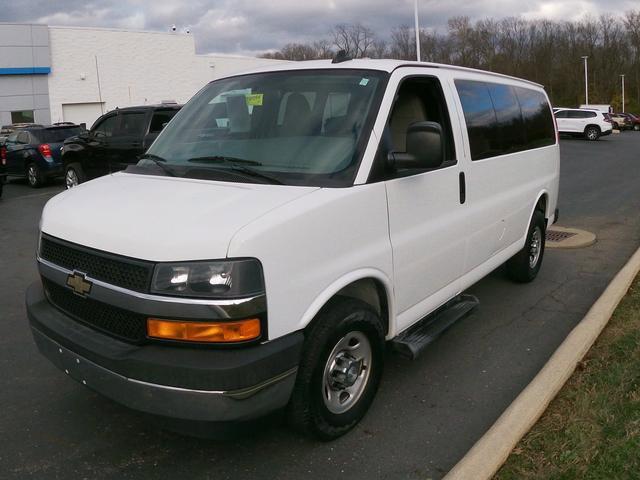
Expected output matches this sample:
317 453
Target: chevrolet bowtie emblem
80 285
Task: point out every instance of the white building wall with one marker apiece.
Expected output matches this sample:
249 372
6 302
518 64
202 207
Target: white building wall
134 68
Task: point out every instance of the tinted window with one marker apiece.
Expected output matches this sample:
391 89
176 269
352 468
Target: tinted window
132 123
57 135
536 113
562 114
511 135
502 119
160 119
106 127
480 118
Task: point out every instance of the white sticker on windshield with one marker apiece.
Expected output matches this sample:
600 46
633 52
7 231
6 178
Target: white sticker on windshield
364 82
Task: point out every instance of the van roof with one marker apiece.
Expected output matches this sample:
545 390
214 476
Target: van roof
374 64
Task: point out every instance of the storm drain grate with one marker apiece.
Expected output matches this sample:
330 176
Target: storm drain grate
557 236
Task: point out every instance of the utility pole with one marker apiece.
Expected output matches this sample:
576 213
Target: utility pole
415 13
586 81
622 77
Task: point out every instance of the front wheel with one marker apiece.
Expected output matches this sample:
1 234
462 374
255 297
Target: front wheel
74 175
524 266
340 370
636 128
592 133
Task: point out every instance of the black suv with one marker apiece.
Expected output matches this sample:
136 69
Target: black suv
114 142
33 151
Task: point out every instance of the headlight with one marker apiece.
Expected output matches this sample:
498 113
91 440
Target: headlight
214 279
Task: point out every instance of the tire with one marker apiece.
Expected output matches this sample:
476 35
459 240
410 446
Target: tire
34 176
74 175
524 266
592 133
320 404
1 187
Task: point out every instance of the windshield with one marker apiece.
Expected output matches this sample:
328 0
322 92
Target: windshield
305 127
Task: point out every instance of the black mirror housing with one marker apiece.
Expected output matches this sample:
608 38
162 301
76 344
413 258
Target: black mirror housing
425 148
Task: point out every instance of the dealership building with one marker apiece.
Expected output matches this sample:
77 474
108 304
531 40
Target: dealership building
75 74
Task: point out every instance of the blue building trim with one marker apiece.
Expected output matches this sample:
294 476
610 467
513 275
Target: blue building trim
25 71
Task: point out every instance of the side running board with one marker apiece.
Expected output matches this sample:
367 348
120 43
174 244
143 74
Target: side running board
413 341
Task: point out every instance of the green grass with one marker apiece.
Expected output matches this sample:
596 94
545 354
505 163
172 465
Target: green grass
592 428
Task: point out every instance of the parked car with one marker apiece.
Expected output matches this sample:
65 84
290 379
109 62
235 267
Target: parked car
632 121
33 151
114 142
620 121
591 124
285 228
3 166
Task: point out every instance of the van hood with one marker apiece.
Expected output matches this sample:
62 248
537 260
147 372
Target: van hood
160 218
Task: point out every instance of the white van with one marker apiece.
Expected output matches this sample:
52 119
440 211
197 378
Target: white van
285 227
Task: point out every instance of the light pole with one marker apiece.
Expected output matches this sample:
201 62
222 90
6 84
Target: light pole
586 81
415 14
622 77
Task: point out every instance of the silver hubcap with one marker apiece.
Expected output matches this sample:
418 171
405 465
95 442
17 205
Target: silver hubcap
32 175
71 178
347 372
535 247
592 134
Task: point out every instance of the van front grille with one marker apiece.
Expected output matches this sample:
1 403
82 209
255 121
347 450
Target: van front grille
125 325
116 270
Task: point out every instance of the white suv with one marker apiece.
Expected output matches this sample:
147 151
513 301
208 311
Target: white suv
285 228
592 124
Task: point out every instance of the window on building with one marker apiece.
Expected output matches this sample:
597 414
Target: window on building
22 116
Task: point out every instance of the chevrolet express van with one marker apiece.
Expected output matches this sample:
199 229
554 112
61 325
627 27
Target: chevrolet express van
286 227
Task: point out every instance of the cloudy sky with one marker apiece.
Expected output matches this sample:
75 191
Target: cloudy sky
251 26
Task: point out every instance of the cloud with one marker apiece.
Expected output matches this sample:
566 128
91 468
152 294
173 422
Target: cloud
250 26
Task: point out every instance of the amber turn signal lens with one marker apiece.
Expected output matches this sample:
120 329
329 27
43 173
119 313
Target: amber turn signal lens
215 332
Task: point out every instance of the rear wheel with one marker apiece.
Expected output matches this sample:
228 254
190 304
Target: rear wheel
592 133
525 265
34 175
340 370
74 175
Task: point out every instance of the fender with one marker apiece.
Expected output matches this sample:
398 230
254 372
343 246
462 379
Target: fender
347 279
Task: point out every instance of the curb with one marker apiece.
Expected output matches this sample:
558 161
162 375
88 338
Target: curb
488 454
580 238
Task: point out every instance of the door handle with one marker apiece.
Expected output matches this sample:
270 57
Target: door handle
463 188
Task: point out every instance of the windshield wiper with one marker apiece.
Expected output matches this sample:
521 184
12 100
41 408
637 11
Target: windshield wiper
237 165
160 162
223 159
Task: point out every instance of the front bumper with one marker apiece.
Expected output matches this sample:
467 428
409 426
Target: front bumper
187 383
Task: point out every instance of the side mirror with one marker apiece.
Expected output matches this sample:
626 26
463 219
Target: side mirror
425 148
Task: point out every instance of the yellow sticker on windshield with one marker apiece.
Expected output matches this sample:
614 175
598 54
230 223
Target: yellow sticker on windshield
254 99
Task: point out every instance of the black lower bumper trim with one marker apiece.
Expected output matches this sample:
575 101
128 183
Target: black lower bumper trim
196 368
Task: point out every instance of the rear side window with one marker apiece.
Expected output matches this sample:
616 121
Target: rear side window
503 119
160 119
482 124
536 113
57 135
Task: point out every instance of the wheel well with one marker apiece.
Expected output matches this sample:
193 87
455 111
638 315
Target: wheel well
589 126
370 291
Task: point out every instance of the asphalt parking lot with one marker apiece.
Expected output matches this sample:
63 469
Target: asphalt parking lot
427 414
